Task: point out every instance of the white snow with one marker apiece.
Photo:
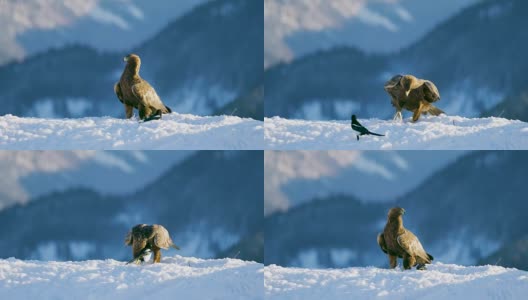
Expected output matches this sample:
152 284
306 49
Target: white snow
173 132
174 278
313 110
440 281
438 133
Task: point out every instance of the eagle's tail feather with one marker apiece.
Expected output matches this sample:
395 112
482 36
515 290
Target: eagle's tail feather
430 256
435 111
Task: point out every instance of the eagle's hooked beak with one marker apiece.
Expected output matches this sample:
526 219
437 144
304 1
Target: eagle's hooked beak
125 59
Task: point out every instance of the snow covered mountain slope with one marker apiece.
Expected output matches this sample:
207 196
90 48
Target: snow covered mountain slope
439 133
174 131
174 278
440 281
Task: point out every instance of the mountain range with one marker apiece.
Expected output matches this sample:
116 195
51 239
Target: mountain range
27 175
467 56
295 177
296 28
208 211
199 63
469 212
36 26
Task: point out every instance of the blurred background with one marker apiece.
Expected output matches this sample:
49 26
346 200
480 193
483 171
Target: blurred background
325 208
78 205
61 58
327 59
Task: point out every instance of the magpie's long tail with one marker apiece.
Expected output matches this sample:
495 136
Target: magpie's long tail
376 134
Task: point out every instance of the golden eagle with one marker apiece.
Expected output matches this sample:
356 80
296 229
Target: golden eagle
153 237
413 94
396 241
135 92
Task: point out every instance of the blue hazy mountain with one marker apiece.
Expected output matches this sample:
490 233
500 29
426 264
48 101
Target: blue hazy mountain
199 63
464 213
467 56
210 202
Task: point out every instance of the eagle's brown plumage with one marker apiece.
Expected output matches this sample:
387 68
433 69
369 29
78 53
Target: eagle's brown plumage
135 92
154 237
396 241
413 94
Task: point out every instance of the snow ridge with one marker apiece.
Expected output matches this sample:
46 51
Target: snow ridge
438 133
174 132
440 281
174 278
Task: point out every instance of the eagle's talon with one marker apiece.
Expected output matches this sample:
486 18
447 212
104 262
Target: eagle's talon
398 116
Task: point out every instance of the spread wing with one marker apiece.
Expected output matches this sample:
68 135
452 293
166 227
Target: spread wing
410 243
430 91
118 92
381 242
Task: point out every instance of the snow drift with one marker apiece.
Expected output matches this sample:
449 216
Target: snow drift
173 132
174 278
440 281
431 133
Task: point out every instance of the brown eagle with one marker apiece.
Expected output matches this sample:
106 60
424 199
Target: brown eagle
145 237
135 92
413 94
396 241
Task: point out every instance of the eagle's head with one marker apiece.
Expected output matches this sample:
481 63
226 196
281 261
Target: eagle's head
133 61
131 58
396 212
406 82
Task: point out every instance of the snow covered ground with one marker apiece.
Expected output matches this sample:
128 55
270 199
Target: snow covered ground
440 281
174 278
173 132
432 133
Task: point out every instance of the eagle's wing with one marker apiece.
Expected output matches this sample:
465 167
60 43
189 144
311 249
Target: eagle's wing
129 239
161 237
147 95
410 243
430 91
117 91
393 82
395 90
381 242
136 237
